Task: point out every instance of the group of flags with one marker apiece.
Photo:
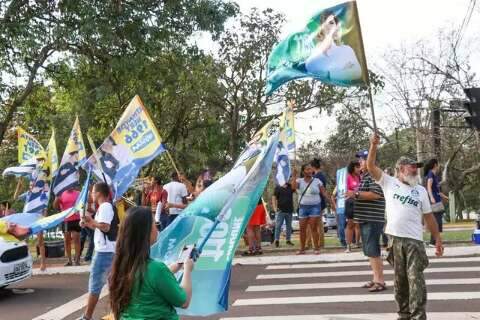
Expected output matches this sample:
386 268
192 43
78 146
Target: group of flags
329 49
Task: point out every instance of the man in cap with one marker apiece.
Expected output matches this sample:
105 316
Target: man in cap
369 213
407 204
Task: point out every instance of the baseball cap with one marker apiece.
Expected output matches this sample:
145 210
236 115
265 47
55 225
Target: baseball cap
362 154
408 161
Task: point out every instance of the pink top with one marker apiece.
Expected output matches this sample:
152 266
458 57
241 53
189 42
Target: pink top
353 182
67 200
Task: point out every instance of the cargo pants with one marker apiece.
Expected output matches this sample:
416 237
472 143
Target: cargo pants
409 261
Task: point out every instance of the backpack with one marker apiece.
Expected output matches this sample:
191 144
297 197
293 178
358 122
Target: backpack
111 235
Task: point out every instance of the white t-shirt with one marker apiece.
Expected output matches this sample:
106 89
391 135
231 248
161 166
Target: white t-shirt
312 195
176 191
104 215
405 207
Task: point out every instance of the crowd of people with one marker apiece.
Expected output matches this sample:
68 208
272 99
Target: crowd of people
377 203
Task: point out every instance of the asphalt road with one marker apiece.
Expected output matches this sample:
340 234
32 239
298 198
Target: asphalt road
292 290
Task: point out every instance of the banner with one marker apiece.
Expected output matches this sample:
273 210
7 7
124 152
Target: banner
287 128
75 153
341 189
329 48
26 169
229 202
133 143
28 146
52 156
287 138
37 222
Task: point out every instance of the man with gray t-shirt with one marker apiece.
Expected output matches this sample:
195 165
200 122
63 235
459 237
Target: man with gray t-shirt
407 204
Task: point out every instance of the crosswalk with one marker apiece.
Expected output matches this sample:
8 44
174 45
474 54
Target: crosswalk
332 290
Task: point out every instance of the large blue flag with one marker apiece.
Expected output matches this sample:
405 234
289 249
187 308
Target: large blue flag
226 206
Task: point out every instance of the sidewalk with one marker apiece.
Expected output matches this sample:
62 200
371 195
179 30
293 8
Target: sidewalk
259 260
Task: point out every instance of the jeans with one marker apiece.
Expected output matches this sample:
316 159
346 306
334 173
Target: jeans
101 265
164 221
283 216
308 211
371 234
85 234
341 224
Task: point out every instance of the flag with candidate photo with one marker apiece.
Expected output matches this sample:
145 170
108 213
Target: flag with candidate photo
68 175
133 143
329 49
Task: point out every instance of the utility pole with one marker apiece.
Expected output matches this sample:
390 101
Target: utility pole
436 129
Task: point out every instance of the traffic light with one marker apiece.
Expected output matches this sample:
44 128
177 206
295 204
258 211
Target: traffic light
473 107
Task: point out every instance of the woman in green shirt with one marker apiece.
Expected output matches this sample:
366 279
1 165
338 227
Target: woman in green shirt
142 288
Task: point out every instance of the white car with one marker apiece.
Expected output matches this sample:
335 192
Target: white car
15 262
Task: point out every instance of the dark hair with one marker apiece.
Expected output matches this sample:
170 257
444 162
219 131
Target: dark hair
132 254
351 166
303 169
103 188
207 183
174 176
157 181
429 166
325 14
316 163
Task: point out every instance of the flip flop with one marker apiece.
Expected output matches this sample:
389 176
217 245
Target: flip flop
316 252
378 287
368 285
300 252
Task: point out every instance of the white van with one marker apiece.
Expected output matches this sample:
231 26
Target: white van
15 262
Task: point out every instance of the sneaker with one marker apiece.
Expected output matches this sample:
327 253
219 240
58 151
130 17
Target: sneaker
277 243
348 249
290 243
83 318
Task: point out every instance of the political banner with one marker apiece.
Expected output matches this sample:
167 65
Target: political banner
287 128
28 146
75 153
341 190
329 48
224 208
52 157
133 143
282 161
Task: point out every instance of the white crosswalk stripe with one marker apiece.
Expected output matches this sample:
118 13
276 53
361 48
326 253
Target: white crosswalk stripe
332 290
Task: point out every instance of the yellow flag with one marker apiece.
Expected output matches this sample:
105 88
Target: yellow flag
287 128
52 156
75 143
28 146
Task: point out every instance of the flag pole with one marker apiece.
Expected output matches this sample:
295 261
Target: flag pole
17 189
173 162
369 87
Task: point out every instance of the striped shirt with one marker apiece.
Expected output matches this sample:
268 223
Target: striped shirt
369 210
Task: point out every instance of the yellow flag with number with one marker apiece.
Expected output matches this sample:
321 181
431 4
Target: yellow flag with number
28 146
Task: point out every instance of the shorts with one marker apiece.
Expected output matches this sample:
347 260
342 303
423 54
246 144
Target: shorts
371 234
71 226
349 204
309 211
101 266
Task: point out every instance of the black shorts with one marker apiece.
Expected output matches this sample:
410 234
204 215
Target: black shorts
72 226
349 204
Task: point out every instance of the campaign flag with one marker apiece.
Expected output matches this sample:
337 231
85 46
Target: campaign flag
287 139
133 143
341 189
23 170
329 48
222 212
28 146
37 222
52 156
28 151
75 153
39 192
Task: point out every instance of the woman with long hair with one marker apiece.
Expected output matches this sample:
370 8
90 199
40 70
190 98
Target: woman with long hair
309 190
140 287
432 170
353 183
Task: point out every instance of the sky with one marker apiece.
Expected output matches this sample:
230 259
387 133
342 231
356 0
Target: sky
385 24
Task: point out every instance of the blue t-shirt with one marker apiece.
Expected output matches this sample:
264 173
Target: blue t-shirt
320 176
435 186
